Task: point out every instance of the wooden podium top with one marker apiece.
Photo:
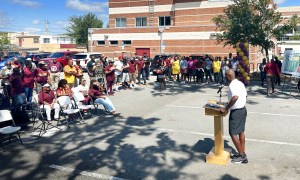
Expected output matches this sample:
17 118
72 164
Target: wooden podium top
212 108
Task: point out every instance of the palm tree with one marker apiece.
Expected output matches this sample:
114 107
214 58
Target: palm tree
294 21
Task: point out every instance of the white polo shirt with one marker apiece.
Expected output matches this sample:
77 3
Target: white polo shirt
237 88
118 64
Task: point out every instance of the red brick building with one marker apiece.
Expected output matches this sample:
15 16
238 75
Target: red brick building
162 26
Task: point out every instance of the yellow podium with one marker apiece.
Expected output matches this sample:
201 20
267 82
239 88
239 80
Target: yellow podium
217 155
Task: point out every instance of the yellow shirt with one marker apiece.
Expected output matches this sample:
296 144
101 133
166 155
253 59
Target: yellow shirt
69 77
216 66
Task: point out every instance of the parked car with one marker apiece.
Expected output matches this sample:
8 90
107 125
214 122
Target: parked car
200 56
61 57
85 58
155 61
36 57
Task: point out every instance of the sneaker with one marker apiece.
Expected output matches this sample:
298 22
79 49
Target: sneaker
240 159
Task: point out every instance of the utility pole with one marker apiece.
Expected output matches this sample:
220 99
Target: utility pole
46 26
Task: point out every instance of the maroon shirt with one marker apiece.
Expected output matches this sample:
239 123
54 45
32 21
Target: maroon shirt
94 93
28 78
272 69
140 64
110 76
47 97
55 67
131 67
168 62
41 75
16 85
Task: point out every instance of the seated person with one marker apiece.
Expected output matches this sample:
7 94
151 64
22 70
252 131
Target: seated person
47 101
96 93
63 89
82 88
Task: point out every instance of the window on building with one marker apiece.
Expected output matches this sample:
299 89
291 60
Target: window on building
120 22
126 42
36 40
113 43
140 21
46 40
101 43
165 21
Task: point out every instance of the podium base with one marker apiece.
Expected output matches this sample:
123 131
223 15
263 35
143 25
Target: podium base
221 159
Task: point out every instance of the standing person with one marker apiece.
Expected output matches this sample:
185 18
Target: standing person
16 89
208 69
161 76
2 62
238 113
140 69
224 68
79 73
70 72
55 68
216 69
262 71
199 71
110 76
28 80
147 65
96 93
279 64
183 69
132 72
234 65
42 76
5 72
99 72
190 70
125 74
168 65
16 64
176 68
90 66
271 70
118 72
47 101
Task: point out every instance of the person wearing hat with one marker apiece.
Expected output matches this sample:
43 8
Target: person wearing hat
47 101
32 63
70 73
110 76
42 75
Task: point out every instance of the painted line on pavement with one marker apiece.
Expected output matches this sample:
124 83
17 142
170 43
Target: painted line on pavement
212 135
84 173
271 114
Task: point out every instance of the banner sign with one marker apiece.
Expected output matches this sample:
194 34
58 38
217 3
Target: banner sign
291 63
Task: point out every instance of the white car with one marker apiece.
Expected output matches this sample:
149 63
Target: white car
85 58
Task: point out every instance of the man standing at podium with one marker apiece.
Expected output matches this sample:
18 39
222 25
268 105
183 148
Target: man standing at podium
237 118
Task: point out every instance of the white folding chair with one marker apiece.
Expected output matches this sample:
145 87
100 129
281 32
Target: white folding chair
67 108
5 116
78 97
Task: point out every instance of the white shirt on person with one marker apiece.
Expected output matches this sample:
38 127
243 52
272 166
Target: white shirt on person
118 65
237 88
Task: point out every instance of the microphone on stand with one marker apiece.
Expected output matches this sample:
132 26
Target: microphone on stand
220 88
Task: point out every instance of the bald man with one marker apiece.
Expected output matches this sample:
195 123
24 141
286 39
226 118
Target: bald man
238 113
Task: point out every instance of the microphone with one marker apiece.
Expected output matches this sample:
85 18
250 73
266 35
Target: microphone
220 88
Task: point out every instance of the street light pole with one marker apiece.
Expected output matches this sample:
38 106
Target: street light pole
161 30
91 39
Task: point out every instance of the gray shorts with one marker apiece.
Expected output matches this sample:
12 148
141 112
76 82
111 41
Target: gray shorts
237 121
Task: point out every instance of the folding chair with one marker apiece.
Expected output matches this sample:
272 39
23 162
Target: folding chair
5 115
78 97
67 108
39 115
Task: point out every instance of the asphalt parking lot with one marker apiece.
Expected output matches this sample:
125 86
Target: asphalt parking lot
163 135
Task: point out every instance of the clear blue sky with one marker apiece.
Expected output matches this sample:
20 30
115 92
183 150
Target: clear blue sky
30 15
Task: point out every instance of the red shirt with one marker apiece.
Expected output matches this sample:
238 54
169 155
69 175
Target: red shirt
16 65
41 75
140 64
198 64
16 85
168 62
47 97
131 67
94 93
55 67
272 69
111 75
64 91
28 77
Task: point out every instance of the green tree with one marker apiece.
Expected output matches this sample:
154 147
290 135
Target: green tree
254 21
4 40
79 25
294 22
